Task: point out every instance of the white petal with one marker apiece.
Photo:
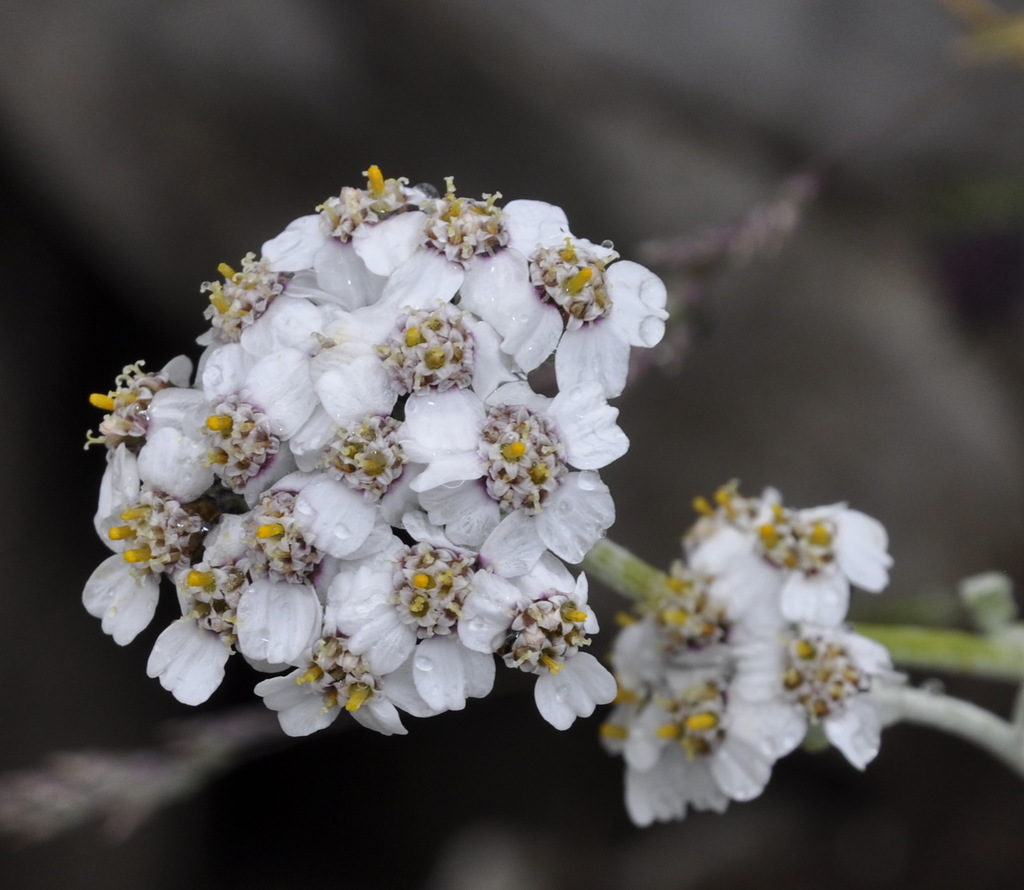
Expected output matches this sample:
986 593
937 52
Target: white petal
357 390
384 246
279 384
740 769
333 517
300 708
491 367
575 516
183 409
581 684
125 604
175 464
595 352
820 599
465 510
446 673
586 423
119 488
487 612
514 547
277 620
638 303
862 550
189 661
224 370
531 224
857 731
287 322
379 715
296 246
421 282
341 272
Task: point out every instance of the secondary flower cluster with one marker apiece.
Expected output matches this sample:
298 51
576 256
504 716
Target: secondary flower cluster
360 484
745 649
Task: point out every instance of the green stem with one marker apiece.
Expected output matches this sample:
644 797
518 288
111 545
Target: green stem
954 651
997 657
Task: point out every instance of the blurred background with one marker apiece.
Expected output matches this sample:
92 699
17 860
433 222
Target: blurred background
875 358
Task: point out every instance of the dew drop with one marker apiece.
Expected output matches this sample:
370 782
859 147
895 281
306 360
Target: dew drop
423 663
562 692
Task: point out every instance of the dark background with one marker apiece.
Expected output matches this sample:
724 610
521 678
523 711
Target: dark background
875 359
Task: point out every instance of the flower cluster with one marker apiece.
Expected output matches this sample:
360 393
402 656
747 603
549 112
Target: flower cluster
360 486
744 650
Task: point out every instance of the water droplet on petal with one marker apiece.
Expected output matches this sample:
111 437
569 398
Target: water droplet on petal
562 692
423 663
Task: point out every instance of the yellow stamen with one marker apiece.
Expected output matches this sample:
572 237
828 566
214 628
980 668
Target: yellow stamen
701 722
675 616
314 673
513 451
375 179
413 337
218 422
98 400
199 579
357 694
140 554
573 615
769 534
669 731
435 358
539 473
419 604
274 530
568 253
805 649
421 580
820 536
579 281
703 506
226 271
217 299
133 513
614 731
551 664
120 532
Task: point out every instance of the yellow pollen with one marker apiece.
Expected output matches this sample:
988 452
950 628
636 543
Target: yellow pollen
614 731
573 615
217 456
675 616
805 649
421 580
217 299
413 337
579 281
140 554
551 664
226 271
120 532
435 358
701 722
135 513
375 179
539 474
218 422
568 253
419 604
98 400
703 506
819 535
314 673
274 530
769 534
513 451
669 731
199 579
357 694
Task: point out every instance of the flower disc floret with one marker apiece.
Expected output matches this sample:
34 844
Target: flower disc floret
277 539
525 461
342 676
788 542
429 348
158 533
462 228
696 719
355 207
573 278
689 618
241 441
431 585
821 675
127 405
212 593
545 633
243 297
366 456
